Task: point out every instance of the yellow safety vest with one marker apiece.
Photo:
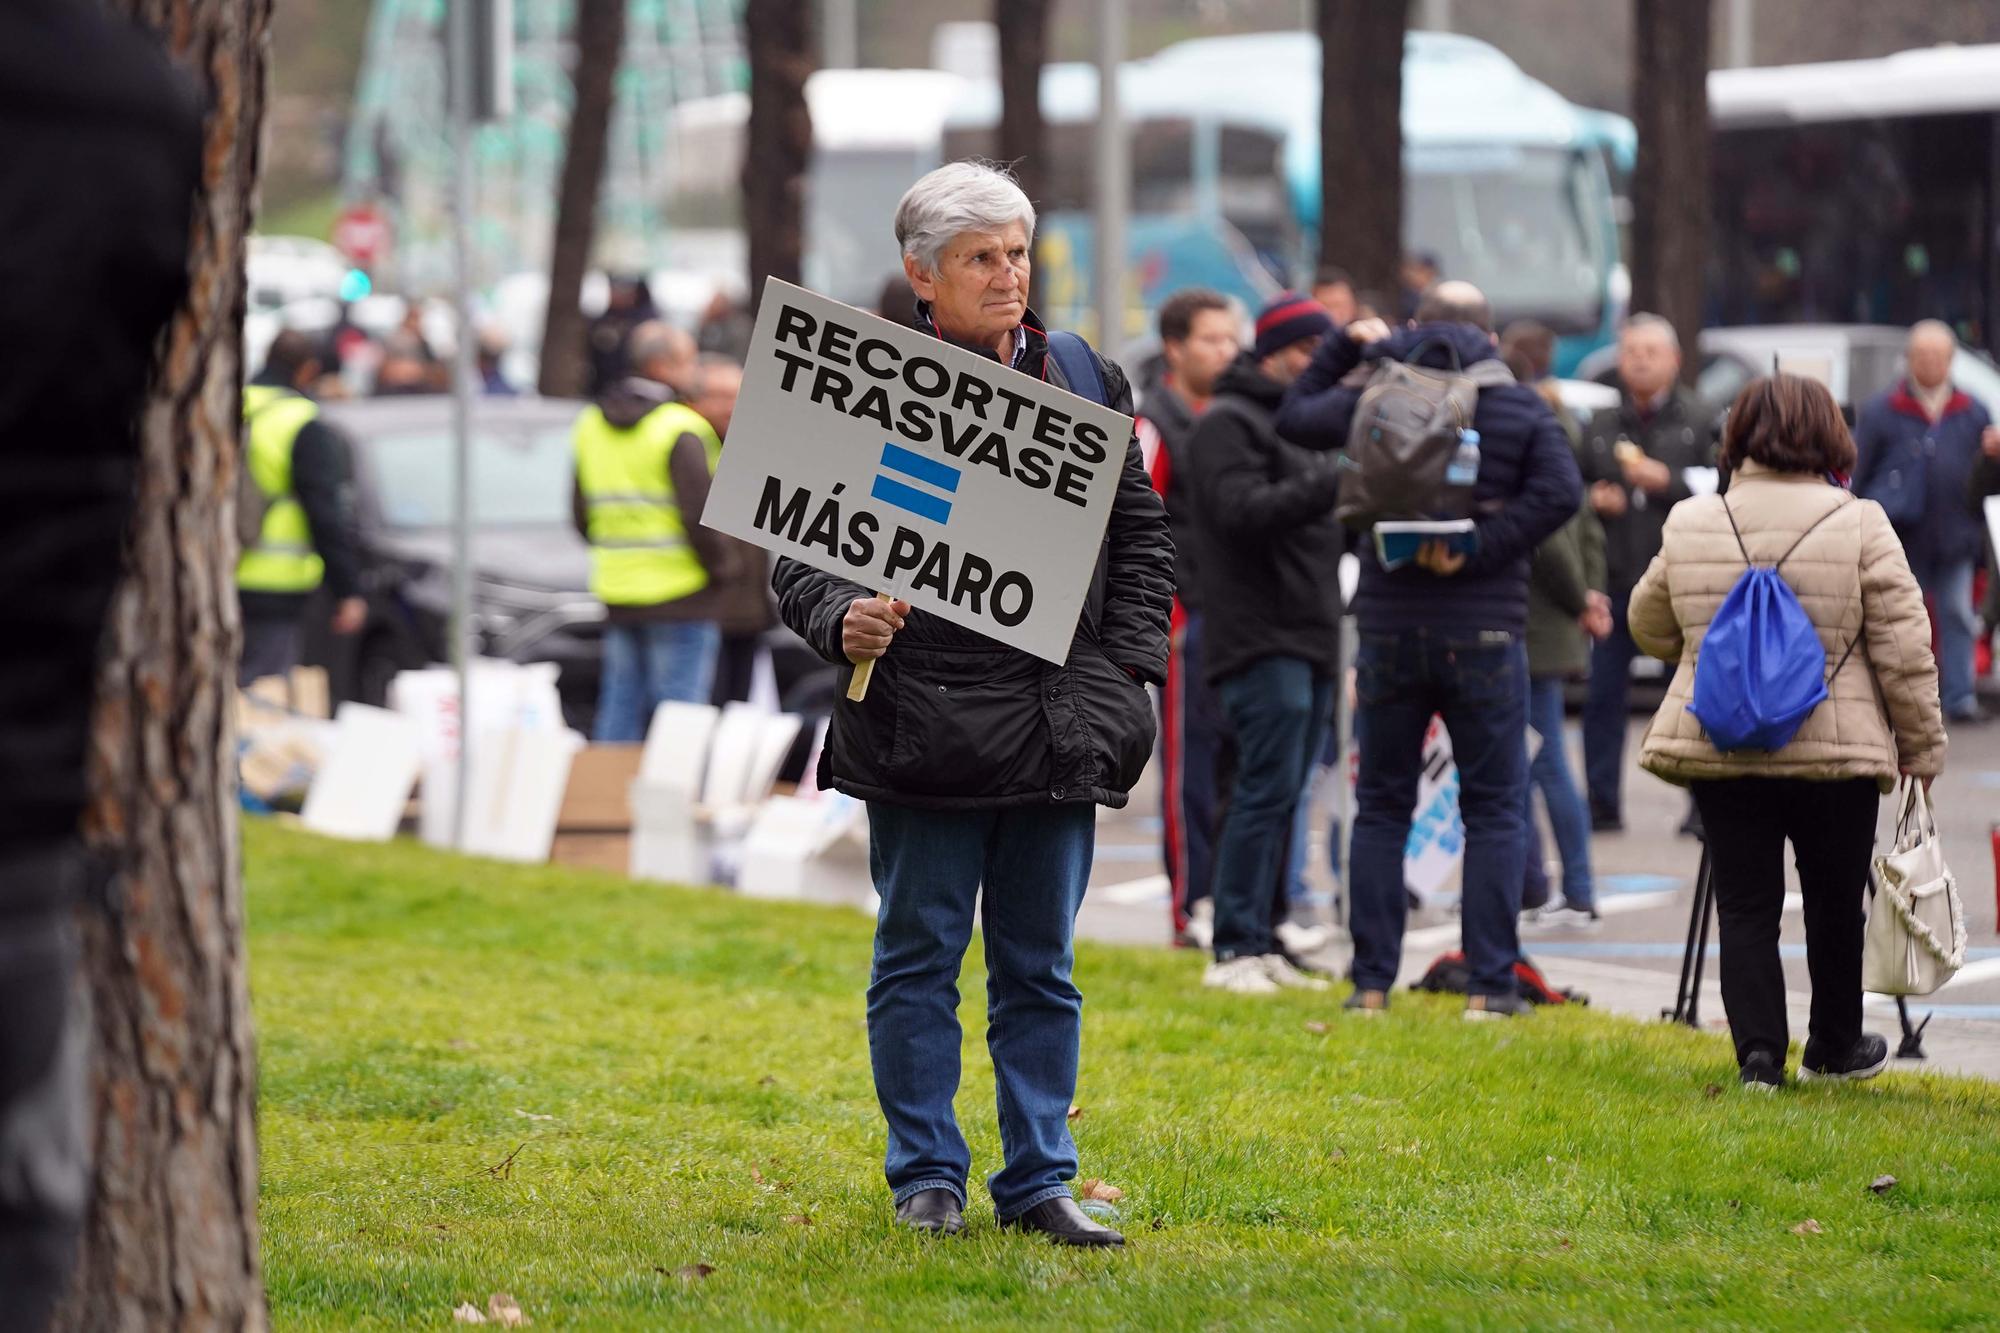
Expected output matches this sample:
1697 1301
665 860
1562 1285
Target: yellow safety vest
283 560
639 551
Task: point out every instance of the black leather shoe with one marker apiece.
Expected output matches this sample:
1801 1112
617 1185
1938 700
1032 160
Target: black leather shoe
931 1210
1064 1223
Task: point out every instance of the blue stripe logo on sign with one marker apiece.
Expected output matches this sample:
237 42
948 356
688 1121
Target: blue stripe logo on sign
919 468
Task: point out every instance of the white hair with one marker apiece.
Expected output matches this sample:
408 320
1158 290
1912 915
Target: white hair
1659 323
956 198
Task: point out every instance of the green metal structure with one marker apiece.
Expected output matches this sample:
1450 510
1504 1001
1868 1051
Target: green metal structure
398 151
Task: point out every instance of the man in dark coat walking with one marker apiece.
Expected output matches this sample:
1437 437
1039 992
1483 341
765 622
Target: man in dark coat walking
1444 636
1917 445
1267 547
982 765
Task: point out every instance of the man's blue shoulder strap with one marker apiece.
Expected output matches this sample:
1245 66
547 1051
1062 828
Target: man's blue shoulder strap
1079 367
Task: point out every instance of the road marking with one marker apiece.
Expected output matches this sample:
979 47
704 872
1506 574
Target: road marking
1133 892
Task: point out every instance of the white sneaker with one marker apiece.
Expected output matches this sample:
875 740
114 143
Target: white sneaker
1200 932
1279 969
1560 915
1242 975
1299 939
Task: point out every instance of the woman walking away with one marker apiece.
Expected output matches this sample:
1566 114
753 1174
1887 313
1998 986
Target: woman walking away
1784 443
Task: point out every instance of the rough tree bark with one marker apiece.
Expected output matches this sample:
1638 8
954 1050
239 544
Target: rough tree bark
600 42
1670 187
777 146
1361 140
1023 27
172 1238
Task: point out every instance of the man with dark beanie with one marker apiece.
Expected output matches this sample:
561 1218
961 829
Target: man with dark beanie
1268 548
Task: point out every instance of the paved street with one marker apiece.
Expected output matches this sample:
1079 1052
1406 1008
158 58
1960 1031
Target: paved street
1631 963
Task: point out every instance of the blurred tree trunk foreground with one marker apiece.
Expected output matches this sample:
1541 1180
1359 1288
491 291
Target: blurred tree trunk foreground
1023 29
1361 141
171 1240
777 145
600 44
1670 185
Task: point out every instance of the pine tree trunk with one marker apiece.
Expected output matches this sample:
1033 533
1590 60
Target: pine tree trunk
1023 27
600 42
171 1242
777 149
1670 187
1361 140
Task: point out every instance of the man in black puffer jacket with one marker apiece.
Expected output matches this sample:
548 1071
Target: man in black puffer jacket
981 764
1445 636
1267 550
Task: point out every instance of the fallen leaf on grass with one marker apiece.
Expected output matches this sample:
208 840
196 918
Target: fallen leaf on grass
468 1313
1808 1228
1099 1190
1338 1155
1882 1184
799 1220
768 1081
1075 1111
694 1272
1712 1091
530 1115
505 1311
1315 1027
768 1186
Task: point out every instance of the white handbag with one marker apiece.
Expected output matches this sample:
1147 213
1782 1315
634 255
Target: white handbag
1916 924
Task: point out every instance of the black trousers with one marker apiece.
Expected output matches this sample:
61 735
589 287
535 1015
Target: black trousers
1831 826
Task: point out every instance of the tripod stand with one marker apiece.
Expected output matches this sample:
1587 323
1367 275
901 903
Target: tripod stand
1687 1001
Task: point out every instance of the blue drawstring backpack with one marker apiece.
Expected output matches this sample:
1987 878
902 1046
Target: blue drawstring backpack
1761 670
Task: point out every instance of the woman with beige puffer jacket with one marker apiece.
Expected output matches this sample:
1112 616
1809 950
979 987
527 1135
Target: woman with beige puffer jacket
1784 443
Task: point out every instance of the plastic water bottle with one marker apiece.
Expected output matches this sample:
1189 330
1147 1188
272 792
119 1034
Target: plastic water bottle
1464 467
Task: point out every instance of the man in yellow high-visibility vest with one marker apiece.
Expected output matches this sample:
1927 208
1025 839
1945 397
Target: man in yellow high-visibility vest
643 463
300 467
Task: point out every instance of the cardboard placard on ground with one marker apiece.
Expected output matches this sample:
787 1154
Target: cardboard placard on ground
913 467
362 787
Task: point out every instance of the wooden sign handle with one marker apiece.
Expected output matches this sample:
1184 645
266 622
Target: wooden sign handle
864 670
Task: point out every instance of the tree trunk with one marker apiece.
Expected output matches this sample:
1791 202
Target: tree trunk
1361 141
1023 27
777 146
600 42
1670 190
171 1241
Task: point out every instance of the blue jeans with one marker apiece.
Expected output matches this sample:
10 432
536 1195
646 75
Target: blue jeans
1549 770
646 665
1948 583
1606 710
929 866
1278 708
1478 684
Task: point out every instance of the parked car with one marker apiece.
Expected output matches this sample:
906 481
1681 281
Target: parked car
531 598
1854 361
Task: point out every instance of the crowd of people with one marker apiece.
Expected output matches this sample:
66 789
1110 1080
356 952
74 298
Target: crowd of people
1580 527
685 605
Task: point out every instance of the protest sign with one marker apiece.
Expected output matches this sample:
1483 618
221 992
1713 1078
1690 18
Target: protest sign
918 469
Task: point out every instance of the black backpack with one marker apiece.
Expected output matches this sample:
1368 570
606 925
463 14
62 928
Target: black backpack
1406 431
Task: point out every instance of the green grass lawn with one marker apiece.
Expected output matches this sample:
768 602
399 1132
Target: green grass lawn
573 1088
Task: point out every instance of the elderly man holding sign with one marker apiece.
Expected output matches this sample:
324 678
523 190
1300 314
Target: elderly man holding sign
963 511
